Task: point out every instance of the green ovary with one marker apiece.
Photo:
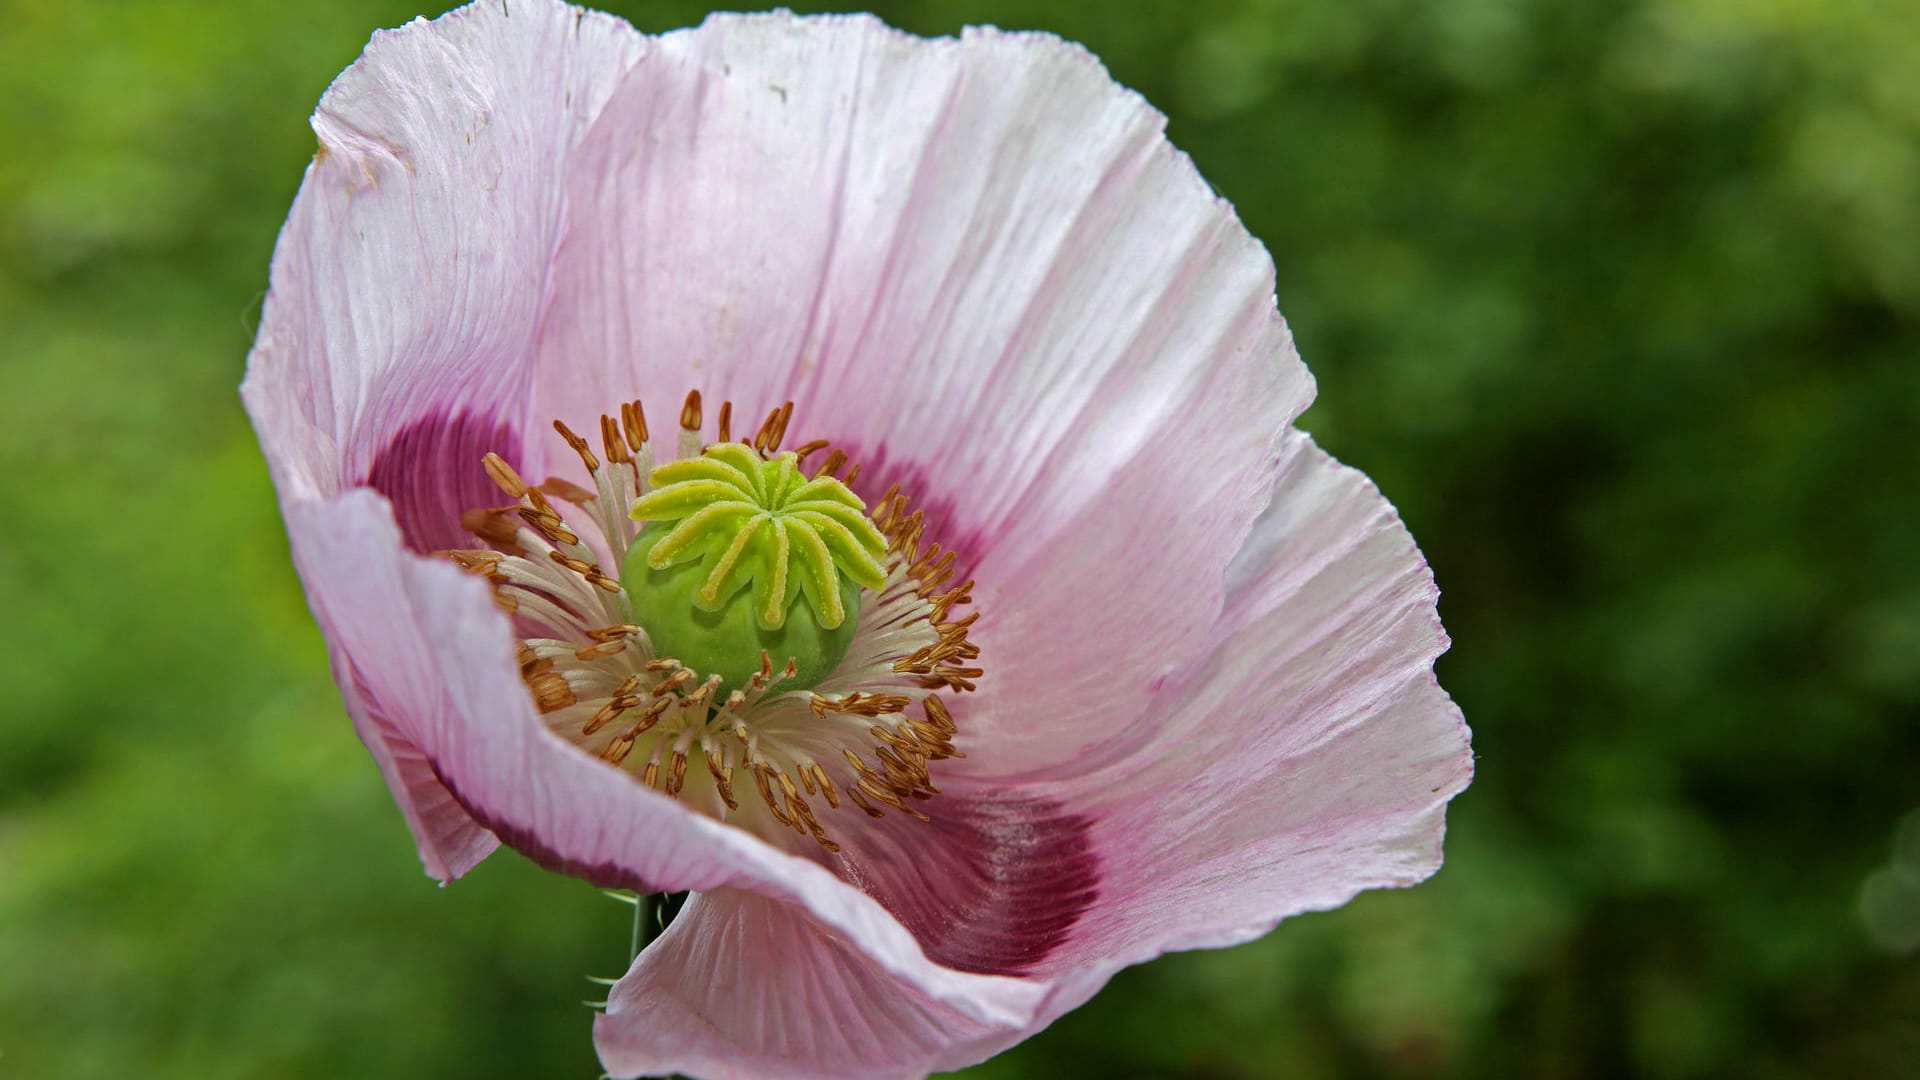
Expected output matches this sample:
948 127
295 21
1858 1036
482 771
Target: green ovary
743 554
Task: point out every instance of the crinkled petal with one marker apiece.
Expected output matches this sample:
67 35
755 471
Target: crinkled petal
979 265
1308 756
406 289
409 279
426 639
746 988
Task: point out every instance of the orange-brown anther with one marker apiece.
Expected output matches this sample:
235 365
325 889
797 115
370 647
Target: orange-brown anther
826 786
861 801
622 700
633 421
566 491
579 447
545 519
651 715
612 443
774 429
858 704
550 691
600 650
503 475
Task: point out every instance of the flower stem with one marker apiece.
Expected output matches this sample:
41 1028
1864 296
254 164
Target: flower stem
652 914
646 924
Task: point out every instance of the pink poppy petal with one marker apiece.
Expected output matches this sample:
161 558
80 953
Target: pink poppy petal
741 986
1308 756
978 264
409 278
427 640
991 883
406 290
450 841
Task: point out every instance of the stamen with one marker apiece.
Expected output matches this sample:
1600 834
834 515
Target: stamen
633 421
503 476
550 691
579 447
874 724
493 525
611 442
566 491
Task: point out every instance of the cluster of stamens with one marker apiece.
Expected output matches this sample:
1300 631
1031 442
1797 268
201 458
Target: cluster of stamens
866 732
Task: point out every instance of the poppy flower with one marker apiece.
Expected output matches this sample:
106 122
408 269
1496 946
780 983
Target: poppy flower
939 592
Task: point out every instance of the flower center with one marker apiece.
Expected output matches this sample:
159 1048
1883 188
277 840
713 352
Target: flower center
745 555
763 627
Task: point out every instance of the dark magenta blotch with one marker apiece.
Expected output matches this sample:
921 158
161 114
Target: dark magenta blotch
991 885
430 471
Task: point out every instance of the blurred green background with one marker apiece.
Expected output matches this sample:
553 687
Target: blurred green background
1617 300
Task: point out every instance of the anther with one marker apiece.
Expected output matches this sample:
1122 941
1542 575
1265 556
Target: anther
860 801
633 422
567 491
503 475
601 650
578 566
722 774
579 447
628 679
610 440
826 785
544 521
550 692
673 682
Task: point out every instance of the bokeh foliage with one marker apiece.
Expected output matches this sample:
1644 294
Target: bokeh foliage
1619 300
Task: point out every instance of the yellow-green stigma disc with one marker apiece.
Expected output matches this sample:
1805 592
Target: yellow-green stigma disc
744 554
